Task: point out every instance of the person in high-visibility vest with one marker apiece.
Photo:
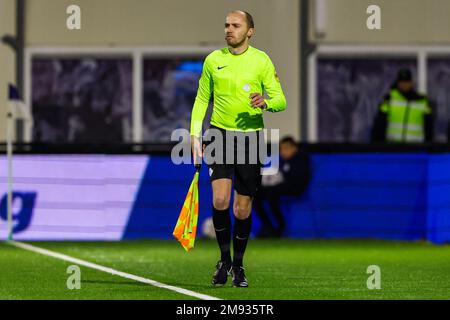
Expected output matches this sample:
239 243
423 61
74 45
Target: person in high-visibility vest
404 116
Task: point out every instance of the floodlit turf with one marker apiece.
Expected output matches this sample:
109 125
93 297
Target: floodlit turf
276 269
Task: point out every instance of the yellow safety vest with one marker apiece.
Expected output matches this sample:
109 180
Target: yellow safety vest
405 117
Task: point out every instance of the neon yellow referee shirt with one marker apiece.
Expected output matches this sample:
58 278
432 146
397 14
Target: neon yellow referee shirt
231 79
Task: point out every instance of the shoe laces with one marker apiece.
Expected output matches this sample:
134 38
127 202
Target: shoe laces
239 272
222 265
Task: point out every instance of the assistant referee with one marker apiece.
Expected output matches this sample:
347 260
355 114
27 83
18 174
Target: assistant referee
236 76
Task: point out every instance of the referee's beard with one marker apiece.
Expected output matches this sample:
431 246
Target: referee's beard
237 44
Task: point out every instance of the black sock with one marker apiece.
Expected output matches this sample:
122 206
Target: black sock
240 238
222 226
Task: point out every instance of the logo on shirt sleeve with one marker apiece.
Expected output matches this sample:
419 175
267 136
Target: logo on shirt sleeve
246 87
276 77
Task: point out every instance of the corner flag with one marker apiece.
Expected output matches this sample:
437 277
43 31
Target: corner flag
186 227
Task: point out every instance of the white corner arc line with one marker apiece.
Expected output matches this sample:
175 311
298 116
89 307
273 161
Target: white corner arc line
91 265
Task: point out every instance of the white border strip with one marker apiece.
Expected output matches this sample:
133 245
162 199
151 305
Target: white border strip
138 92
352 50
26 96
312 99
127 51
91 265
422 71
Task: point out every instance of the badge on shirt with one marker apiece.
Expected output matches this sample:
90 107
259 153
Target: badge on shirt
246 87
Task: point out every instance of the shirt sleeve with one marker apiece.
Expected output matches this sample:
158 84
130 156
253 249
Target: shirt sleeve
205 89
272 86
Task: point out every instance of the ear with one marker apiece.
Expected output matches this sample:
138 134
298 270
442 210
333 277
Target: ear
250 32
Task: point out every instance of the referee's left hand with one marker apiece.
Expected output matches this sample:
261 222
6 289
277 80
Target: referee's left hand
257 101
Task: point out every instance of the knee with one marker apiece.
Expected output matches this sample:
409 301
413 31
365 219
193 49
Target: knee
242 210
221 201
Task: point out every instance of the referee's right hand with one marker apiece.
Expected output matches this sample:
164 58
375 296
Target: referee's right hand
197 150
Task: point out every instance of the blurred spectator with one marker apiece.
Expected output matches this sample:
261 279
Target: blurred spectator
404 116
79 100
291 180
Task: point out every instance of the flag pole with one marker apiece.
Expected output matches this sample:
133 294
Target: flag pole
9 133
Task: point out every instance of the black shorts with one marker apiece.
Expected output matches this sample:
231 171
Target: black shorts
238 160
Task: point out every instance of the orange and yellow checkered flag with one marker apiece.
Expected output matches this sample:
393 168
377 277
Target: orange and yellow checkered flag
186 226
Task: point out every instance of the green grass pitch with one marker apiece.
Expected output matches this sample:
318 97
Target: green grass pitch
276 269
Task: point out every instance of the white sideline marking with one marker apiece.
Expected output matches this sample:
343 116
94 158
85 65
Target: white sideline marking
109 270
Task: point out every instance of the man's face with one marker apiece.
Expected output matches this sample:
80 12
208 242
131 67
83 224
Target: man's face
405 86
236 29
287 150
